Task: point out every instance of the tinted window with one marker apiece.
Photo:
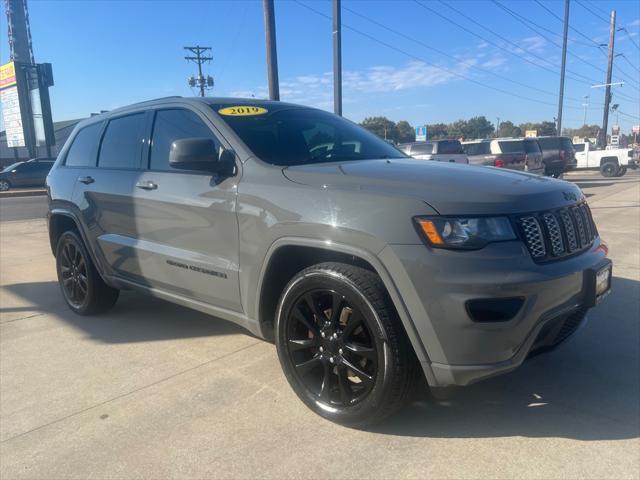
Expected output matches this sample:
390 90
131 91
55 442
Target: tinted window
512 147
566 144
12 167
481 148
298 136
531 146
82 152
421 148
549 143
450 147
578 147
121 142
171 125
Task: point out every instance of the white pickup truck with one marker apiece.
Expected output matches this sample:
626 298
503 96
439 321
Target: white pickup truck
612 163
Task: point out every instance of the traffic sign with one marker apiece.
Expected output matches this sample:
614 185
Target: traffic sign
421 133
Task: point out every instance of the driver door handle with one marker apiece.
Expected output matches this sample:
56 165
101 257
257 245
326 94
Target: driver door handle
86 180
148 185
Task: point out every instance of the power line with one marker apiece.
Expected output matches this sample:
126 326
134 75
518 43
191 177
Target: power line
447 55
519 56
622 55
415 57
595 14
526 22
629 37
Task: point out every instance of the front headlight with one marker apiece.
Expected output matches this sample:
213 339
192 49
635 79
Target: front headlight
464 232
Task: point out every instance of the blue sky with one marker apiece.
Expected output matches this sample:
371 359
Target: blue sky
107 54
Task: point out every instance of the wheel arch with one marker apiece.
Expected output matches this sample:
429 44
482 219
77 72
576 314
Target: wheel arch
296 254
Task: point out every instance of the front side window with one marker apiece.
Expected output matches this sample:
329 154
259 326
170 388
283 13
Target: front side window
122 142
82 152
172 125
298 136
512 147
480 148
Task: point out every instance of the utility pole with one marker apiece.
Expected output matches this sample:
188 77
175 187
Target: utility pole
607 91
497 127
564 61
199 59
586 106
337 58
272 55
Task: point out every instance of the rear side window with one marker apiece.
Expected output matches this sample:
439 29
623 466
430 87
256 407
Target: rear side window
171 125
82 152
450 147
531 146
512 147
566 144
122 142
421 148
548 143
481 148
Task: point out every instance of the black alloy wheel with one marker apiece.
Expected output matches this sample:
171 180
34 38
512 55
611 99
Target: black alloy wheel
342 346
331 347
82 287
73 273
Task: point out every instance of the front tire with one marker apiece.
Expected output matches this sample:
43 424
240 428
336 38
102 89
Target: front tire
621 171
341 345
4 185
609 169
82 287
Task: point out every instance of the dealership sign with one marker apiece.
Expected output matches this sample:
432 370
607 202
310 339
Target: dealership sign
421 133
10 102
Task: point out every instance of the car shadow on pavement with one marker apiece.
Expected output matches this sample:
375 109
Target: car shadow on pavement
135 317
586 389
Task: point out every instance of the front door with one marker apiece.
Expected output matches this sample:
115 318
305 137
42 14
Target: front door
185 222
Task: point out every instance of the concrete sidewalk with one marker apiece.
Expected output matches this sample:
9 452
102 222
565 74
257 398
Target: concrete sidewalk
152 390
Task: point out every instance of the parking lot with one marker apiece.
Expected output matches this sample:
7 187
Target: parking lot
153 390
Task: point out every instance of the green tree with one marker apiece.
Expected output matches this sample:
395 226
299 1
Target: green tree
585 131
543 128
381 126
478 127
436 131
508 129
405 132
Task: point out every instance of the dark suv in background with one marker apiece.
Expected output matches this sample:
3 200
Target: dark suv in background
558 155
509 153
31 173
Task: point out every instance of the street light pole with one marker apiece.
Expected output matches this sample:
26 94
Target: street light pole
607 93
337 58
562 68
272 55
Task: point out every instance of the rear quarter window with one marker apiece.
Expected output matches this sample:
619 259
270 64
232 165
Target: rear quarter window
421 148
82 152
450 147
481 148
531 146
566 144
516 146
549 143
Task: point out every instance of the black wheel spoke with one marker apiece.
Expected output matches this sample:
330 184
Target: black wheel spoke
346 393
308 365
363 376
361 350
325 388
83 287
304 344
310 324
337 306
355 319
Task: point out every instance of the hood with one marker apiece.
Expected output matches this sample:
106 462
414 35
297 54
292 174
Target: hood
449 188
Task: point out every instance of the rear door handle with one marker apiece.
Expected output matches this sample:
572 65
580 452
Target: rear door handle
86 180
147 185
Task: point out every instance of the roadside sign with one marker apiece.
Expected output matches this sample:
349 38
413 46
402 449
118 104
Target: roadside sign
10 101
530 133
615 130
421 133
635 129
615 139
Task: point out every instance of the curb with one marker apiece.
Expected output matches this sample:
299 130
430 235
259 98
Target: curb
23 193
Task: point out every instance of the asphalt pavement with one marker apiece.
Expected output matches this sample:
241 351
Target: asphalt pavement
23 208
153 390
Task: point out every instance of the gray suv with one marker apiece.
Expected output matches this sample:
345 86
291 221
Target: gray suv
366 267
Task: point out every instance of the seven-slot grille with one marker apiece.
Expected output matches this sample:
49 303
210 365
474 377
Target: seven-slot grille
557 233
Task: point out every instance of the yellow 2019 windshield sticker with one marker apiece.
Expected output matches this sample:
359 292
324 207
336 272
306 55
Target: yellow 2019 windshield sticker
242 111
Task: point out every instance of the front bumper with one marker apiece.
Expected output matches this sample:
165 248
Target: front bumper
437 286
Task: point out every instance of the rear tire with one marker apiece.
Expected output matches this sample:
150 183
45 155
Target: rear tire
82 286
4 185
609 169
342 347
621 171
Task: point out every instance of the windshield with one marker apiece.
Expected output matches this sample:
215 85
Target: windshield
299 136
11 167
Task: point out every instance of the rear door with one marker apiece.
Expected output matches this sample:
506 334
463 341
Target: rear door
103 192
185 221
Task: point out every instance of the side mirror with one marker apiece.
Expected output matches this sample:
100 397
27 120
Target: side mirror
194 154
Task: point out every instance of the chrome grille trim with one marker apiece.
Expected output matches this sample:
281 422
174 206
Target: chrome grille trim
555 236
